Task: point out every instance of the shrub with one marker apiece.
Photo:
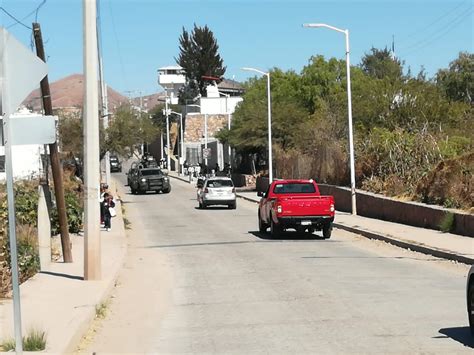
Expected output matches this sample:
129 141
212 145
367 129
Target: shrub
35 340
74 211
447 222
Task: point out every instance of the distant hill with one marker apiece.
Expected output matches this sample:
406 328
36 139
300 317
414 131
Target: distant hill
68 92
150 101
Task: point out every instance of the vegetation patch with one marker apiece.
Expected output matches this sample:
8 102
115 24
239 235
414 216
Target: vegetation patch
35 340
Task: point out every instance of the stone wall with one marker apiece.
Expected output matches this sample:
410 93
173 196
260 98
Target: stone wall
194 127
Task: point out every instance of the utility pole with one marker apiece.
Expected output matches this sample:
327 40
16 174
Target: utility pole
168 143
54 154
92 261
104 105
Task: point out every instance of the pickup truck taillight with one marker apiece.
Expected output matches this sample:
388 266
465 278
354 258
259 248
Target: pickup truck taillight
332 207
233 190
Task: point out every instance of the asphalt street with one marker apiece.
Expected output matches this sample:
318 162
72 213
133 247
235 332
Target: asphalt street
205 281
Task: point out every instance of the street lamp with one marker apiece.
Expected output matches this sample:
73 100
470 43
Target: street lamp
227 111
270 163
181 158
349 107
167 131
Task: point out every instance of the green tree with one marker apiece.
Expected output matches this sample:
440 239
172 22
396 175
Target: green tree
458 80
381 64
199 56
127 131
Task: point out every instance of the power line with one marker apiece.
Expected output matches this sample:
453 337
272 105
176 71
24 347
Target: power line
434 34
122 67
35 12
447 29
14 18
435 21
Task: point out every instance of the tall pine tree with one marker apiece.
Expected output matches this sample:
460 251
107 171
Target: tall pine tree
199 56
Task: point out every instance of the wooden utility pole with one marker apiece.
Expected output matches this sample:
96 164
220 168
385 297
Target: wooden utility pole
54 154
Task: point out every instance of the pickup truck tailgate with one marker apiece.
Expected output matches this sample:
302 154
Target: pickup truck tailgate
306 206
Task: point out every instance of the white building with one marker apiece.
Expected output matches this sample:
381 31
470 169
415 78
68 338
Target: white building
172 78
26 158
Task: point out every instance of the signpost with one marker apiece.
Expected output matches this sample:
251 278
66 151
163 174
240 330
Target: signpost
20 72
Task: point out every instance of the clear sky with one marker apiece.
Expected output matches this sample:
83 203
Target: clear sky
140 36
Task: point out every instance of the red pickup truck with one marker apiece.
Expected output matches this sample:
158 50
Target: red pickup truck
295 204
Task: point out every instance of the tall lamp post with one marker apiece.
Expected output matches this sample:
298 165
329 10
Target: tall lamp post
349 107
168 160
181 158
227 111
270 158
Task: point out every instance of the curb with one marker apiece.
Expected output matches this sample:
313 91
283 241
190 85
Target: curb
420 248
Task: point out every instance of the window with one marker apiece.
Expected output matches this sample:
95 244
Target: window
296 188
151 172
2 163
220 183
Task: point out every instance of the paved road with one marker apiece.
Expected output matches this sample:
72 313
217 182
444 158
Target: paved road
204 281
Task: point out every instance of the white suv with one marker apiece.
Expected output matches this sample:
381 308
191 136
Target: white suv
217 191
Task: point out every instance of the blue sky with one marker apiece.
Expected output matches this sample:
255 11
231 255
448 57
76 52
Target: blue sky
140 36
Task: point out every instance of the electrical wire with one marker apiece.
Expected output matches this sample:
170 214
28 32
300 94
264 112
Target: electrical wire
14 18
427 41
122 67
35 12
434 22
459 18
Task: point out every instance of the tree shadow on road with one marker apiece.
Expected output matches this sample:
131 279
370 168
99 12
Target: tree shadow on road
460 334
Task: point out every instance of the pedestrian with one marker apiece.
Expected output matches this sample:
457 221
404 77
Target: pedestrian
108 210
103 190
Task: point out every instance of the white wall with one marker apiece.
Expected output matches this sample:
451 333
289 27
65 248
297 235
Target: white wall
26 161
219 105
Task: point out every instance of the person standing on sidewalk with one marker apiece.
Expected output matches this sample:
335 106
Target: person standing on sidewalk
108 211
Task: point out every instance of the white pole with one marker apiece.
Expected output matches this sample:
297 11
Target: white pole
106 126
11 209
168 143
162 146
351 138
92 262
182 143
270 155
229 118
205 136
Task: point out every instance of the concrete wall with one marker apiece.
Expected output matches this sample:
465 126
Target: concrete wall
388 209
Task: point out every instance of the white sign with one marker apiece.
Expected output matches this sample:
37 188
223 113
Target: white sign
22 71
206 153
31 130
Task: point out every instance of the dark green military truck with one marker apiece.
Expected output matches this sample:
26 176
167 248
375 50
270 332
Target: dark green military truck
149 179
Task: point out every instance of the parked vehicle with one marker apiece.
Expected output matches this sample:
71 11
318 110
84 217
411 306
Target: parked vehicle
470 299
216 191
149 179
295 204
115 165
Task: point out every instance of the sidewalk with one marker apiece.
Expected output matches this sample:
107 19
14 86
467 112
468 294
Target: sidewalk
427 241
59 302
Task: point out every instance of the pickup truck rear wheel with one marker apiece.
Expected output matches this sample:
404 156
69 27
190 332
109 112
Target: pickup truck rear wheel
327 230
262 226
275 229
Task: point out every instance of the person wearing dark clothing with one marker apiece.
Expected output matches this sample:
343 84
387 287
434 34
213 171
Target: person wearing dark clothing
107 203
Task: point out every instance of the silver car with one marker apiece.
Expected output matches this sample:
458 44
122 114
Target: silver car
470 298
217 191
